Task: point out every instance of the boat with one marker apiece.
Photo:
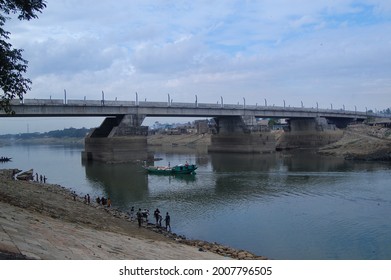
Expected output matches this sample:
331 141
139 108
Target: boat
5 159
168 170
25 176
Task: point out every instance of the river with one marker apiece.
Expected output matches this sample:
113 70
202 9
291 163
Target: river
287 206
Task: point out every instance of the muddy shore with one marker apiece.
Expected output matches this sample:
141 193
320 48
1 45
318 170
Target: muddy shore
45 221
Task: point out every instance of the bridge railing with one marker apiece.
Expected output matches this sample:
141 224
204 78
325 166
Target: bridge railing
43 102
231 106
182 105
15 102
75 102
152 104
209 105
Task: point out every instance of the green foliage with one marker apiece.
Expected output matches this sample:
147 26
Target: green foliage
386 111
13 84
273 122
68 132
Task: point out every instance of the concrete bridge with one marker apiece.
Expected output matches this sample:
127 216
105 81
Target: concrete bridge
82 108
237 126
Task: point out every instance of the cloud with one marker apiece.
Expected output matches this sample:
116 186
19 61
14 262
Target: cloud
172 57
71 55
308 51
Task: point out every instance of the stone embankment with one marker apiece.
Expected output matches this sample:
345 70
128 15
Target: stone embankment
43 221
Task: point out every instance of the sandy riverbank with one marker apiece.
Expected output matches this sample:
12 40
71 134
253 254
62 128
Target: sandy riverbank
43 221
362 142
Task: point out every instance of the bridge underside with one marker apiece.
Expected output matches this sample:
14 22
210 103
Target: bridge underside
118 139
342 122
309 133
123 139
241 135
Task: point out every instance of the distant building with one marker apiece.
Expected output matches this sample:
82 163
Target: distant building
202 126
263 122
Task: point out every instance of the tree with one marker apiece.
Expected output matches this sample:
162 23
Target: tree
273 122
12 65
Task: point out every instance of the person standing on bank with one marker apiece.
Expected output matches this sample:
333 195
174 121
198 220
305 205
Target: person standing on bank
168 220
139 217
156 215
132 213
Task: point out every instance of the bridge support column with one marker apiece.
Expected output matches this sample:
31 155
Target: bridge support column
118 139
241 135
308 133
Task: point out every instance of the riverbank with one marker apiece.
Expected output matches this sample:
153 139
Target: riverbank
189 140
362 142
44 221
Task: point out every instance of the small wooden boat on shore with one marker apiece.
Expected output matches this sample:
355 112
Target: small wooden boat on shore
26 176
167 170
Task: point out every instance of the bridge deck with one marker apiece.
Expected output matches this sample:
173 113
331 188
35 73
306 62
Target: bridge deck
84 108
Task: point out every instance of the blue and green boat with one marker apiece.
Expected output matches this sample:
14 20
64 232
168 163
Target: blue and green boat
167 170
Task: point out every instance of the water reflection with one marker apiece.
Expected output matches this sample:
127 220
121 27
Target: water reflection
186 178
242 162
125 183
227 177
121 182
310 161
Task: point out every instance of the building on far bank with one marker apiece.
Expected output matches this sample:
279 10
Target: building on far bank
201 126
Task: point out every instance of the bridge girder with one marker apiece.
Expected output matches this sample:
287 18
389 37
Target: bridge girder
97 108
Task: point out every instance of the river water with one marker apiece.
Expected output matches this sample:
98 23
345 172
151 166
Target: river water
282 206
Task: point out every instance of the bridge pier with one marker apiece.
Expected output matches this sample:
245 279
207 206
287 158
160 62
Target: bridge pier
308 133
117 139
241 135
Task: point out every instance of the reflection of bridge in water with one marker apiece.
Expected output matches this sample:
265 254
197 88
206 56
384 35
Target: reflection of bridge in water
230 176
237 128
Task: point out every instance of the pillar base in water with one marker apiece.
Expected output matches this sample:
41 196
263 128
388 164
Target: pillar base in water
116 149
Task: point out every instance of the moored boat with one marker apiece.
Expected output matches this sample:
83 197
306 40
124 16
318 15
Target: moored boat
167 170
26 176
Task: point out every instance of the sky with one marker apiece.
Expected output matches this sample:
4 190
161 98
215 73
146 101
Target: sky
327 52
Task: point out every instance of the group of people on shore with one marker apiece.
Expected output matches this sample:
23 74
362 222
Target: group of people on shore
142 216
100 201
103 201
40 178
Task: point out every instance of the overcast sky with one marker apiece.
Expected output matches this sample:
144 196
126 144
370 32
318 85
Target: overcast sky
330 52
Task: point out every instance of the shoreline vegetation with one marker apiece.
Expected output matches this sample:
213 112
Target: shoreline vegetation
46 221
